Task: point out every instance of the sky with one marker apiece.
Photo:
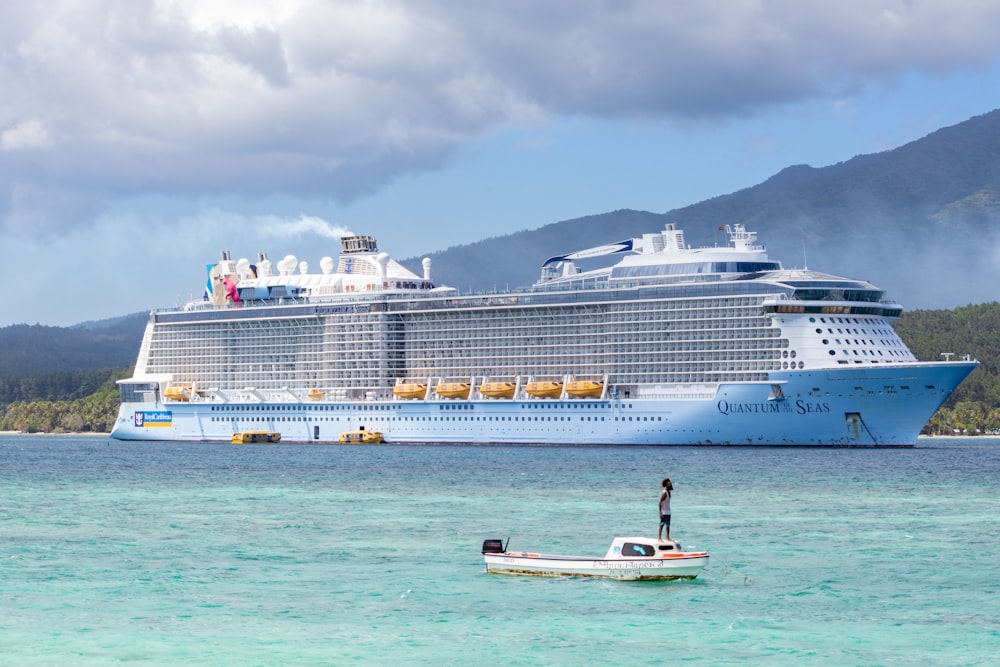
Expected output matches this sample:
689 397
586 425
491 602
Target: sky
139 138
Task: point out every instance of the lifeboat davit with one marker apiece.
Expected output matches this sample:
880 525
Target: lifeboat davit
453 389
498 389
545 389
410 390
585 388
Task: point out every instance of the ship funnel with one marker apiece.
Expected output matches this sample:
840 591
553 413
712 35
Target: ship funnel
383 264
427 268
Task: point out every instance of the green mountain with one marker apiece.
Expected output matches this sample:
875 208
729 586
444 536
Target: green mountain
40 363
34 349
920 221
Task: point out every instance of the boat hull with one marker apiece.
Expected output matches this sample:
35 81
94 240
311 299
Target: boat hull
361 438
677 566
853 407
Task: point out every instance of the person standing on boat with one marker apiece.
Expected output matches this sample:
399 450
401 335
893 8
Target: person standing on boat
665 507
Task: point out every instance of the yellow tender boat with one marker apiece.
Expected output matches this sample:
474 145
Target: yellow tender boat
585 388
545 389
177 392
361 437
410 390
453 389
316 394
498 389
252 437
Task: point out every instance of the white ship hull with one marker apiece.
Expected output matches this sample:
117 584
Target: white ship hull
884 406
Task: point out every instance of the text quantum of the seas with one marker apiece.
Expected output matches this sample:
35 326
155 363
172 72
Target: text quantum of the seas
800 407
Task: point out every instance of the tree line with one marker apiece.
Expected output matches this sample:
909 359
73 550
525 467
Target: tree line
70 402
87 401
974 408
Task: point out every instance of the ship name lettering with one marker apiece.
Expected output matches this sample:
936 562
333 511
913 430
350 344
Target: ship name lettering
805 408
727 408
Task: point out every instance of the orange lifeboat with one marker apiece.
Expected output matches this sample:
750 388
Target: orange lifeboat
453 389
498 389
585 388
177 392
410 390
545 389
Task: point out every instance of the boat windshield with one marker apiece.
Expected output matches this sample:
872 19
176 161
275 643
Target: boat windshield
636 549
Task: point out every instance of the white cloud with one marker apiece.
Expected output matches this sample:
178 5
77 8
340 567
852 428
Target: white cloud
27 134
336 99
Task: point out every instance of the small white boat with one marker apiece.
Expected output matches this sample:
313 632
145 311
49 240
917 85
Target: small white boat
629 558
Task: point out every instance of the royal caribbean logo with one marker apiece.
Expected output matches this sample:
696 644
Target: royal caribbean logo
154 419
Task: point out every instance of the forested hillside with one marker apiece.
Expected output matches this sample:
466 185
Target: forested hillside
29 350
970 330
95 412
56 379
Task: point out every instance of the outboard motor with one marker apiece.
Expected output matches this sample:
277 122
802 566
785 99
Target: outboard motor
493 547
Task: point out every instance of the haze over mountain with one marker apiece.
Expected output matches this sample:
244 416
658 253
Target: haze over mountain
919 221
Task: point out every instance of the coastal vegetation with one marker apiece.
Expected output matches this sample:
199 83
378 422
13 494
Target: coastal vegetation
971 330
87 400
50 403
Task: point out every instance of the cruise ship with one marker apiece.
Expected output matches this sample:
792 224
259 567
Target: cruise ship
665 345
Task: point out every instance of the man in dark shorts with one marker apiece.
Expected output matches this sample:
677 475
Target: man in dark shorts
665 507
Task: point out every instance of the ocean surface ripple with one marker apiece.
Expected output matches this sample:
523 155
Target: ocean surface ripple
211 554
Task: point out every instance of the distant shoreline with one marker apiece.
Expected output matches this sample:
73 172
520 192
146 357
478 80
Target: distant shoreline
106 435
74 433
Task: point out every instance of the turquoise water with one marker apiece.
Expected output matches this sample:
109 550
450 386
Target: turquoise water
209 554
